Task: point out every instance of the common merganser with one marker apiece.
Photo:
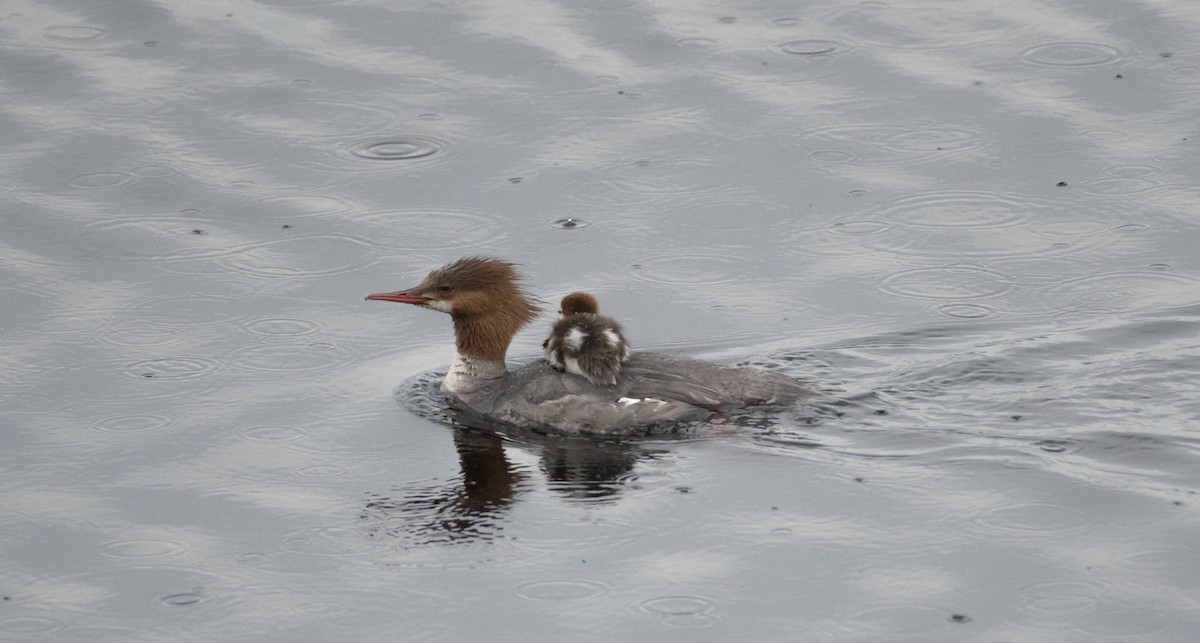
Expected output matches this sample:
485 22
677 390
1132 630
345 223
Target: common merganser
488 307
586 343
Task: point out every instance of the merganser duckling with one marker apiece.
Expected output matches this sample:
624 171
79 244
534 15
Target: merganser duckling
488 307
586 343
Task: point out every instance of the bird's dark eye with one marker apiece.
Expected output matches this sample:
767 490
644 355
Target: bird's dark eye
444 288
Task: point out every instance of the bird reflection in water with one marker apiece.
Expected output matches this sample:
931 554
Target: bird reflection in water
472 505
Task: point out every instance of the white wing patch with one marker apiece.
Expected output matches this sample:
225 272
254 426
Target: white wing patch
611 336
575 338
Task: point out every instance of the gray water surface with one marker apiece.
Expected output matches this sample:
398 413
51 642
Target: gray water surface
974 224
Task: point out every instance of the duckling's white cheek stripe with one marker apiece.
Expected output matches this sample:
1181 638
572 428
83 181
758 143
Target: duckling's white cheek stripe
439 305
575 338
612 337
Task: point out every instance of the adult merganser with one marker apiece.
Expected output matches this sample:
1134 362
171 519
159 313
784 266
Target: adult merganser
488 307
586 343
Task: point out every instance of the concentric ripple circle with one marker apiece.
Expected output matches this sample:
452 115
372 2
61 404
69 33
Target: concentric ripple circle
1032 519
135 423
404 148
435 228
100 180
1070 54
560 590
690 269
172 368
301 257
957 209
146 548
281 326
289 359
74 32
952 282
810 47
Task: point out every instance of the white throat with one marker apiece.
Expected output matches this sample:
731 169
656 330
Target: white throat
469 374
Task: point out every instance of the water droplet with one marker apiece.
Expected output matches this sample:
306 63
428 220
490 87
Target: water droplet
568 223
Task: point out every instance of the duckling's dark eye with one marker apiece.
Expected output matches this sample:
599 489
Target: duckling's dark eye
444 288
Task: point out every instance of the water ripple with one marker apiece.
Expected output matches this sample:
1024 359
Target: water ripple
29 625
154 238
396 149
1032 520
957 209
272 433
696 43
966 311
892 619
880 144
811 47
664 183
291 206
183 599
568 223
135 423
692 269
301 257
435 229
1061 596
682 611
309 118
1123 291
281 326
99 180
1121 185
1069 54
924 28
146 548
955 281
157 314
290 359
172 368
77 38
560 590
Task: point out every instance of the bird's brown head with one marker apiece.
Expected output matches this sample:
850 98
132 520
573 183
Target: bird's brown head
578 302
484 298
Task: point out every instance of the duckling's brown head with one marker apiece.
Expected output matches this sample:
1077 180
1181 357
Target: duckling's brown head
578 302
